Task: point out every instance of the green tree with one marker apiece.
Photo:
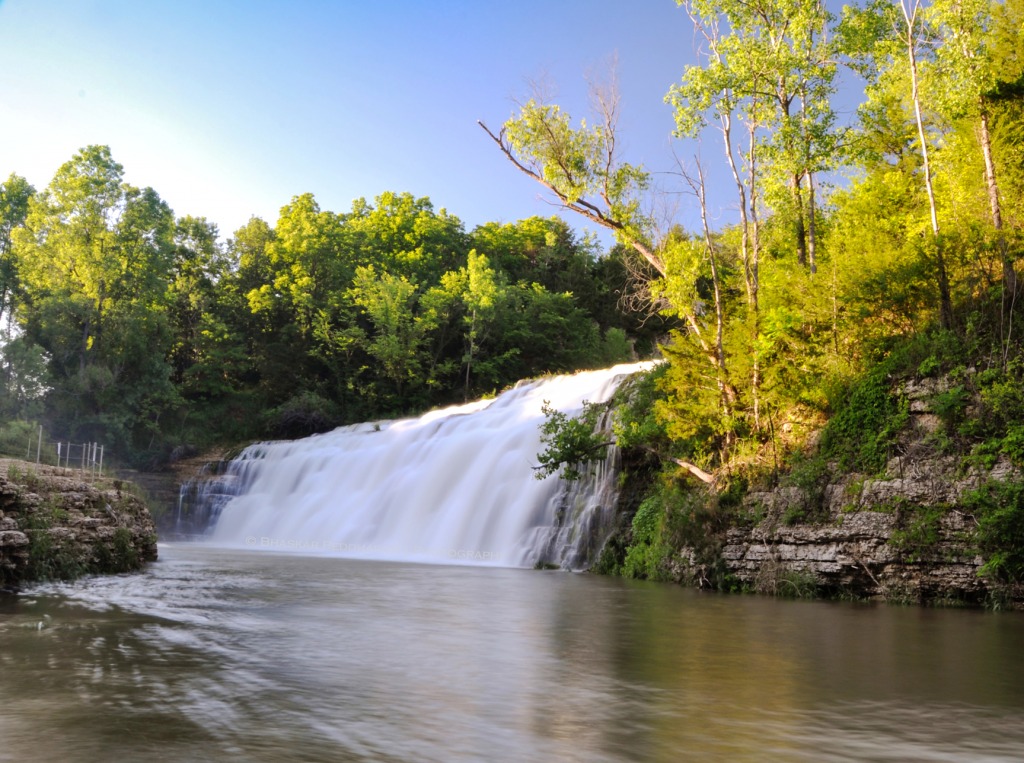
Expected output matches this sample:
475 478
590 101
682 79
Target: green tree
579 165
95 256
1007 105
967 80
548 252
397 338
198 267
480 297
310 261
15 194
407 237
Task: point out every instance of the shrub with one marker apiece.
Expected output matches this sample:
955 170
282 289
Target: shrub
646 555
304 414
998 508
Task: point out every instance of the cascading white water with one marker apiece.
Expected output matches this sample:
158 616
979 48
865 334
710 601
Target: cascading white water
453 486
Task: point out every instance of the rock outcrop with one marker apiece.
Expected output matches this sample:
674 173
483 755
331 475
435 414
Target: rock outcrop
56 525
898 538
904 535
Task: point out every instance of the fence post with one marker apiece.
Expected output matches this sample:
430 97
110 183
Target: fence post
39 444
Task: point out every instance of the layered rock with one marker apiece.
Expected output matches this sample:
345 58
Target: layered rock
893 541
56 525
902 535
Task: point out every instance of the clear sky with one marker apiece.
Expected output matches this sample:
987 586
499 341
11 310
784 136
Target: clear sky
229 108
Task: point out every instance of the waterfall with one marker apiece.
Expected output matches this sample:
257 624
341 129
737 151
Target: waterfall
201 498
455 485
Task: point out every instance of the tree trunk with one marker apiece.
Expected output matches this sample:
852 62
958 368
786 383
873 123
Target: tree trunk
744 222
945 301
812 231
723 374
755 255
1009 274
799 231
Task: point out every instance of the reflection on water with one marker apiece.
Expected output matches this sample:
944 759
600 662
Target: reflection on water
215 655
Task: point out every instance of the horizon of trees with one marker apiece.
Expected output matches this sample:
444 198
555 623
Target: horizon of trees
126 325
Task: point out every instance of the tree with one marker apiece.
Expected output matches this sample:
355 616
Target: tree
1006 45
15 194
95 255
967 80
396 339
481 294
198 267
580 166
911 33
310 261
406 236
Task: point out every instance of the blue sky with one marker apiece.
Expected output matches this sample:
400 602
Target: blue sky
230 108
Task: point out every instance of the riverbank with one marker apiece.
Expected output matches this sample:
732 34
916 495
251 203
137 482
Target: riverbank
56 524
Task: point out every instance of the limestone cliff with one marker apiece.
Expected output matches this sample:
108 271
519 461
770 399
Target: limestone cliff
904 535
55 525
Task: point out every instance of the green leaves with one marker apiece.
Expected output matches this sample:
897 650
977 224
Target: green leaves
998 509
388 301
94 259
580 166
570 442
568 158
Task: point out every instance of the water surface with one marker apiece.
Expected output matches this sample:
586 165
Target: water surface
226 655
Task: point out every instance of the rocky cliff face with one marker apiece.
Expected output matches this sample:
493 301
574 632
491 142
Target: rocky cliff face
903 535
55 525
893 538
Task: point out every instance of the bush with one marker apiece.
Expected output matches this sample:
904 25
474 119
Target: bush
673 517
998 508
571 441
305 414
646 555
861 434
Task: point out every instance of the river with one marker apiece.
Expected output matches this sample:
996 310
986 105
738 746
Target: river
228 655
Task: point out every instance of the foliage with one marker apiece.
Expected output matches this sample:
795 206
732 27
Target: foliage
861 434
571 442
144 331
578 165
304 414
917 530
118 555
646 555
675 517
998 508
634 421
16 435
